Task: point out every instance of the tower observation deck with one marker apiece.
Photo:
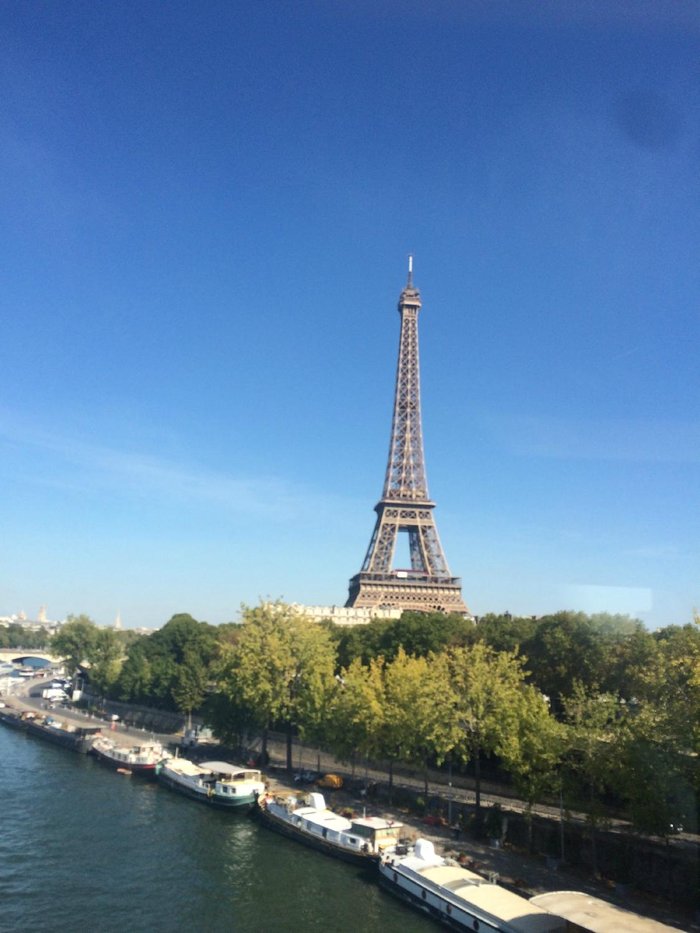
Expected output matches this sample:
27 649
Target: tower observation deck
405 506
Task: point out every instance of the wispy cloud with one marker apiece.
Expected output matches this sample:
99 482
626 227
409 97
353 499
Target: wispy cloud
61 460
638 440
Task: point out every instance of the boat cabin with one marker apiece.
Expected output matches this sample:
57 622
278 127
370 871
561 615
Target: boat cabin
380 834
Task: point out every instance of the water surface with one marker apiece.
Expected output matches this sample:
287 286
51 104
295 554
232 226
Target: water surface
82 846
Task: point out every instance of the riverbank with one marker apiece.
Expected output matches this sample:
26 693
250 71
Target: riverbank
516 869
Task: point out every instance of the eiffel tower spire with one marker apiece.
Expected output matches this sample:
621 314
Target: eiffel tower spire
405 506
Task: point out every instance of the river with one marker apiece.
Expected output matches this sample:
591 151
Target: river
84 847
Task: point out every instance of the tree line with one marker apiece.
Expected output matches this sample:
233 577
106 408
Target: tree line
592 709
15 635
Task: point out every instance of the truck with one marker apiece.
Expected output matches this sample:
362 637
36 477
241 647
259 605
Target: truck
54 693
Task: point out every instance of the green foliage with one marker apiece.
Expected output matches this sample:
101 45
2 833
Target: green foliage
430 687
170 668
594 740
420 634
415 633
416 693
653 777
535 748
136 677
599 651
505 632
75 641
564 648
487 686
189 682
105 657
15 635
357 711
279 669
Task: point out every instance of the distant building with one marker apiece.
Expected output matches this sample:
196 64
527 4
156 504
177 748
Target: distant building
41 623
345 615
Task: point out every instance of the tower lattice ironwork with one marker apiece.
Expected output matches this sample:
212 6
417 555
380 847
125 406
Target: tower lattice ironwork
405 506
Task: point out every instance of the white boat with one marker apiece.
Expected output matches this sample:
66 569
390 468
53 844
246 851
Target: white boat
139 759
457 897
217 783
360 839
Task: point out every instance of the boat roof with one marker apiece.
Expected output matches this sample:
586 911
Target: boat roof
224 767
324 818
510 911
184 766
376 822
595 914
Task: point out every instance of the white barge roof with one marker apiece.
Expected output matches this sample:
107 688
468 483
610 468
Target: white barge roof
475 894
323 817
595 915
223 767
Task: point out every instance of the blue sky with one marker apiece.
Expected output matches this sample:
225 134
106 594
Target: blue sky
206 211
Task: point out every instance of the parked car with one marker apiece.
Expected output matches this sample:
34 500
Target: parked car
331 781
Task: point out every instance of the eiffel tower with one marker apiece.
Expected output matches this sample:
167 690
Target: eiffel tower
405 505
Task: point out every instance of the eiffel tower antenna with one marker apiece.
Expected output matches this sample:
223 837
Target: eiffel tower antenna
405 506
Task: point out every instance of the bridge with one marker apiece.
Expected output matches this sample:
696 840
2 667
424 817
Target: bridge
18 656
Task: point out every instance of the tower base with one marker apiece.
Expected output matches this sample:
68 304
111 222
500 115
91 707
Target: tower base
406 590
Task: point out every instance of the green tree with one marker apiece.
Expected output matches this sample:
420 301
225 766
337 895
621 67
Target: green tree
654 776
361 642
487 688
417 691
280 670
533 752
105 658
419 634
135 677
75 641
170 669
505 632
598 651
594 738
189 683
20 636
356 711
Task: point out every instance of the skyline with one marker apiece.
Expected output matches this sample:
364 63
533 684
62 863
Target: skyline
205 230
